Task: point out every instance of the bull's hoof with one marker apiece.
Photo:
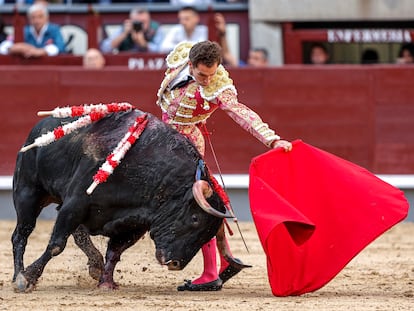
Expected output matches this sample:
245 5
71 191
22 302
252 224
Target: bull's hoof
21 285
108 286
96 267
95 272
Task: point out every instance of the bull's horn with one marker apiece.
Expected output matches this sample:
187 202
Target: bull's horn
201 191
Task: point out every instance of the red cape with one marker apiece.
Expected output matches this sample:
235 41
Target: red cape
314 212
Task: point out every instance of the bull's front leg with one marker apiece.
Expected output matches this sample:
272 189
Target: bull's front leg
116 246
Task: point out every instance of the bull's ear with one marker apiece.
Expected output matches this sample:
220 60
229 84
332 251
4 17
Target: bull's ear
200 170
188 197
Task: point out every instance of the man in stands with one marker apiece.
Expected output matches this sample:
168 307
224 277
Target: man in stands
188 29
41 38
258 57
139 33
319 54
93 59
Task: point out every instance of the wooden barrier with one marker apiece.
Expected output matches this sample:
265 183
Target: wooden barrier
363 114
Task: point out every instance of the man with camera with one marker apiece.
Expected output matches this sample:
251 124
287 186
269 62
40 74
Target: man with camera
139 33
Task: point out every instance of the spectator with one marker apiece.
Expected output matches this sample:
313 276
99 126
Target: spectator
191 2
189 24
188 29
369 56
139 33
406 54
319 54
116 1
3 34
258 57
41 38
93 59
220 25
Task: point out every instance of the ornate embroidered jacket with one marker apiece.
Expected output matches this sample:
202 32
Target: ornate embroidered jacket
185 107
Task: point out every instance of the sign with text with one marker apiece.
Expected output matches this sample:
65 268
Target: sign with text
146 63
369 35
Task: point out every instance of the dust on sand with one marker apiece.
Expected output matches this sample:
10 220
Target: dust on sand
381 277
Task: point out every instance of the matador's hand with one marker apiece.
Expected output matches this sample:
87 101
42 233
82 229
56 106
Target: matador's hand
282 144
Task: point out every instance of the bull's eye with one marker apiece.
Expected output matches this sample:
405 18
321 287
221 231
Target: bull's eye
194 219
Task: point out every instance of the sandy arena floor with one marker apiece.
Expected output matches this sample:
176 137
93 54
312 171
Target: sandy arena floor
379 278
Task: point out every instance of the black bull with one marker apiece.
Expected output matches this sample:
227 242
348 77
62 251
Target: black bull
153 189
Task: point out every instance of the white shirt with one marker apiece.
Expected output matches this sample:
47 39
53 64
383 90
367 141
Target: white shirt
190 2
182 76
51 49
177 34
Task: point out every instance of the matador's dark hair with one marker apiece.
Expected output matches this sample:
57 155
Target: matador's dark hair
205 52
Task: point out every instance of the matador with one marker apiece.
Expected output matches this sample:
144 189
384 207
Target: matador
194 86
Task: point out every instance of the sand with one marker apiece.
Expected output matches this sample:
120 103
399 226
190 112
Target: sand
381 277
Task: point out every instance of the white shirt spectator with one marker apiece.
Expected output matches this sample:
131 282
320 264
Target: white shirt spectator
177 34
190 2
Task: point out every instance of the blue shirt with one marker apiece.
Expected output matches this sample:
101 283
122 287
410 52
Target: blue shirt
50 34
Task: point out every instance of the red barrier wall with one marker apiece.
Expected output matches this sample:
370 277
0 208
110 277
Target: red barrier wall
363 114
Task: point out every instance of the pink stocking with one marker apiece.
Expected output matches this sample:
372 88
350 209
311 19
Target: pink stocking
210 263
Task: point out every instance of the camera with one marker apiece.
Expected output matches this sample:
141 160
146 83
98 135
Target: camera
137 26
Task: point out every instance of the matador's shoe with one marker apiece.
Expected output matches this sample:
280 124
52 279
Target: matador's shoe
209 286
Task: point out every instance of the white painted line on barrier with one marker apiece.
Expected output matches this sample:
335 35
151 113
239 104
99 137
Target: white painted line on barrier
6 182
399 181
241 181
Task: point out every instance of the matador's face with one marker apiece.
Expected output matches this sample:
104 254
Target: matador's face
202 73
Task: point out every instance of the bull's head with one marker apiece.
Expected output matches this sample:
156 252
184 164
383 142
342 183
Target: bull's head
194 223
